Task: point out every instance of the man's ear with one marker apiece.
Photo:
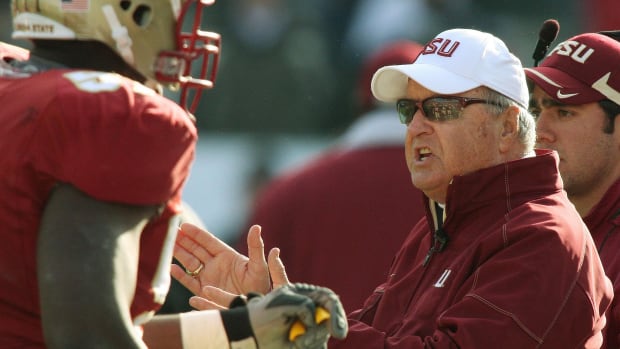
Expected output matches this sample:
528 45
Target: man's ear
509 128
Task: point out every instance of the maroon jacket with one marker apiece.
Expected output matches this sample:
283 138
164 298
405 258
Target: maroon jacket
603 222
519 270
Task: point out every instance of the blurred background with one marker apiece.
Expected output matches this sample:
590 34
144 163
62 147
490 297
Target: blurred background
287 78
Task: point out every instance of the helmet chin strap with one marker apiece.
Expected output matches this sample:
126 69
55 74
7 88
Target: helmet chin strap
119 34
155 86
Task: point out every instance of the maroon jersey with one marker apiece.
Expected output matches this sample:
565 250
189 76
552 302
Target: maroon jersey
112 138
604 224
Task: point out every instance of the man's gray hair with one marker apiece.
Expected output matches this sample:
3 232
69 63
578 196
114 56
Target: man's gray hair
527 123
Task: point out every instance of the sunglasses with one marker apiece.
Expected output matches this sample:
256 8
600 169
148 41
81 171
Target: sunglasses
442 108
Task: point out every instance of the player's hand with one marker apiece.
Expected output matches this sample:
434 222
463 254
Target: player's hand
271 318
323 297
220 266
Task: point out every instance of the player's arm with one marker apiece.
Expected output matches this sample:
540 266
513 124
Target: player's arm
87 260
255 322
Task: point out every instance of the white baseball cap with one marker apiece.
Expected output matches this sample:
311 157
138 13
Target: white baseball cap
455 61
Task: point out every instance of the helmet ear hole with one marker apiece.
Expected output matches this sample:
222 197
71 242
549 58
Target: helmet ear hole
125 4
142 15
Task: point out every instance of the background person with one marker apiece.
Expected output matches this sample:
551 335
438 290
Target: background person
576 100
354 194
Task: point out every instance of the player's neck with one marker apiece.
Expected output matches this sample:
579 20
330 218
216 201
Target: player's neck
76 54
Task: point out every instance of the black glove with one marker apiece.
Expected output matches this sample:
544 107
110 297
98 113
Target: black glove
265 321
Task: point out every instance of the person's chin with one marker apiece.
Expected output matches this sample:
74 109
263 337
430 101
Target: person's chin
428 183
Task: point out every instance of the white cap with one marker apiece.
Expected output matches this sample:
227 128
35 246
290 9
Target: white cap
456 61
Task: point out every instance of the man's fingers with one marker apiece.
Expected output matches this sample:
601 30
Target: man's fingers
200 303
256 247
187 249
218 296
189 259
276 269
257 265
195 240
189 230
187 281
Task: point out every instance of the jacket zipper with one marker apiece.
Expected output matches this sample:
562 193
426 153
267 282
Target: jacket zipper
440 240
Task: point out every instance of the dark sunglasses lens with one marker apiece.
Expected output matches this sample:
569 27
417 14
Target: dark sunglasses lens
441 109
406 109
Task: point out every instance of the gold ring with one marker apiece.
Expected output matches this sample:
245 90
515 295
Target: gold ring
195 272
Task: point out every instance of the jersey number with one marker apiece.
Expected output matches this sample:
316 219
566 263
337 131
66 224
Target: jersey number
95 82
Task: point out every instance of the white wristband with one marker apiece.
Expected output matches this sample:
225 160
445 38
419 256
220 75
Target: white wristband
248 343
203 330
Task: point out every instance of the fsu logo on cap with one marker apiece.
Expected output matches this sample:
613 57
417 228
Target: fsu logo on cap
582 69
441 47
577 51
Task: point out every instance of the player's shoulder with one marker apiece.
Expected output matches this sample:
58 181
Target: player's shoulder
83 100
109 94
97 85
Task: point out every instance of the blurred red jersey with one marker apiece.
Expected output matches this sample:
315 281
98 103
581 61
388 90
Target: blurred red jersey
112 138
603 221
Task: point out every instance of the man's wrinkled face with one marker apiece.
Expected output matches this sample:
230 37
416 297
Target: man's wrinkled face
436 151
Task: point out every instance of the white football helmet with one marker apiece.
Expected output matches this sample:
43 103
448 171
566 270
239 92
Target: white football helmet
147 34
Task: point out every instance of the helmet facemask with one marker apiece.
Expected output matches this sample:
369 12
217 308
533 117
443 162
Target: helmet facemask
192 67
147 34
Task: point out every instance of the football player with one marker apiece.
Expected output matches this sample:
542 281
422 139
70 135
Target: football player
92 164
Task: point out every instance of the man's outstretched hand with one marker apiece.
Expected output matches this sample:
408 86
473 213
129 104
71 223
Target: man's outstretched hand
216 264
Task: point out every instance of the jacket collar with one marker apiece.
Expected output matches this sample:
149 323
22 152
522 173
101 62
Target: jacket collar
607 209
506 185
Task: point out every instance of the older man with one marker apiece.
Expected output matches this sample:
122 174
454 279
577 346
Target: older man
502 258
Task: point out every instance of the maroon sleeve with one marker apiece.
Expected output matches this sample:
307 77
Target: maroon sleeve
114 139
